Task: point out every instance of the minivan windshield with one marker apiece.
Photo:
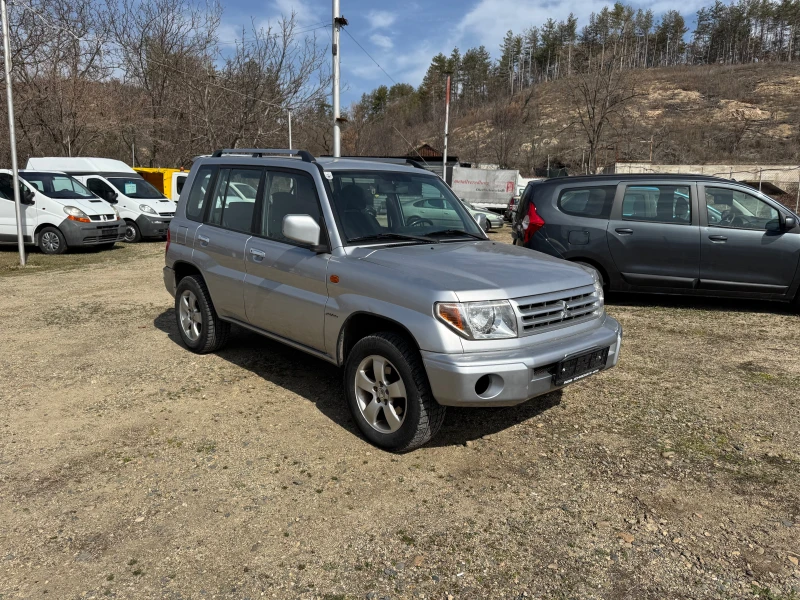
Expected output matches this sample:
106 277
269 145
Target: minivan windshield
391 207
57 185
136 187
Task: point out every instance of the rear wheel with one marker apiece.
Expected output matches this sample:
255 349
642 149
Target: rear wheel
52 241
132 233
200 328
388 393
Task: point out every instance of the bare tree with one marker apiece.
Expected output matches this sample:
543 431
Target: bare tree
504 141
597 95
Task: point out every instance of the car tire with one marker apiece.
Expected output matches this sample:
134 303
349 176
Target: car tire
52 241
201 330
132 233
369 395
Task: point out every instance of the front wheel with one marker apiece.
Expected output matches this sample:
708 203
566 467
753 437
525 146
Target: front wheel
132 233
52 241
388 393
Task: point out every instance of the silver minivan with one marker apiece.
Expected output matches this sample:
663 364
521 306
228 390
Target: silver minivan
421 313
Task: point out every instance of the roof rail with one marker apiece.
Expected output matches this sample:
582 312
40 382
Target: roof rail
260 152
395 160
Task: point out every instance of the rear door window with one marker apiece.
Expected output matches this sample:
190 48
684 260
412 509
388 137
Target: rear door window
659 203
199 192
234 199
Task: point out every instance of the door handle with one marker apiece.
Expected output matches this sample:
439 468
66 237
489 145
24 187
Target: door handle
624 231
718 239
258 255
203 240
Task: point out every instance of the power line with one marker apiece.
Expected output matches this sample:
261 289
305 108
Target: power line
370 56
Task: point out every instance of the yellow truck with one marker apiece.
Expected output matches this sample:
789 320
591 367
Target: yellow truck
167 181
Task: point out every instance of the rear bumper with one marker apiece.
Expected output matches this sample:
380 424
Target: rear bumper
153 226
169 280
516 376
92 234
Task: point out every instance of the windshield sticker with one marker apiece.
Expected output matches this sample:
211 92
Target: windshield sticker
328 175
130 188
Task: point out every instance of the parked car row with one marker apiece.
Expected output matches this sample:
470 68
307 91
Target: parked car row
75 202
379 269
674 234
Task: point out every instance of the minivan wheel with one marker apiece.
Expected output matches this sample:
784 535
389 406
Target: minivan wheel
200 328
52 241
388 393
132 233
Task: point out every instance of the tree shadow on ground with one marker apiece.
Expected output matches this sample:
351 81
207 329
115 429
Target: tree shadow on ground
321 383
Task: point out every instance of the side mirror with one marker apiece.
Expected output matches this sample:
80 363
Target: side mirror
111 197
789 223
481 219
302 229
27 197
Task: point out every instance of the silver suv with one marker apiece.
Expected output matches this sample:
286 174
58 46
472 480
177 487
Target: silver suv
421 313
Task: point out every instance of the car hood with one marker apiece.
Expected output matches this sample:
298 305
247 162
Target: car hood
93 206
478 270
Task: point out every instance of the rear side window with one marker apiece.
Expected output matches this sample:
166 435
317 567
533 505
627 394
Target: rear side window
591 202
195 204
657 203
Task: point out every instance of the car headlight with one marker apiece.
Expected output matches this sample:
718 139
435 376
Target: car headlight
601 298
146 209
76 214
492 320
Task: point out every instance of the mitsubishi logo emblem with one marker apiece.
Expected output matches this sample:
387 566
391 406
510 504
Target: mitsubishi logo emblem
563 313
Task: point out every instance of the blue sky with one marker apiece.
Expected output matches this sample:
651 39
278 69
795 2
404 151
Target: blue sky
403 36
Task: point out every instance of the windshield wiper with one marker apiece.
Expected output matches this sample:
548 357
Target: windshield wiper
457 232
393 236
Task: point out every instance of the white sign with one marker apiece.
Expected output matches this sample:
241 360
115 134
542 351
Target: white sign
483 187
130 188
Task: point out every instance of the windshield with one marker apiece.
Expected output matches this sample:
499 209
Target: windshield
54 185
376 206
136 187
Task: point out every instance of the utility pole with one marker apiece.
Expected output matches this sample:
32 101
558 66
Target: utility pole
289 110
12 134
338 22
446 127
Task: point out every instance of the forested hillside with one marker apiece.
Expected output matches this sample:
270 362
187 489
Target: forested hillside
157 79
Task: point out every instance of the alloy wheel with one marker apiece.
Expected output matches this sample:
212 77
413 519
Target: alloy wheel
50 241
191 318
381 394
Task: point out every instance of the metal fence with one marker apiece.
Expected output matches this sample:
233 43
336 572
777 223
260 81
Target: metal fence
780 183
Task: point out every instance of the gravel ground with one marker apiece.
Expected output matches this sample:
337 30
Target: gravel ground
132 468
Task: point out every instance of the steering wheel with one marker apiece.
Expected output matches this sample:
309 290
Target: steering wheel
740 221
419 222
727 218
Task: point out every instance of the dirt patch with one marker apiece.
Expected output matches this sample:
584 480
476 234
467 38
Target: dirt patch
132 468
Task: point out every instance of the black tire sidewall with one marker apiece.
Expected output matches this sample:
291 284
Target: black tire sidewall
62 241
189 283
401 438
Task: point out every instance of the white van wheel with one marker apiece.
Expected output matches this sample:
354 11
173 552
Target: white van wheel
52 241
132 233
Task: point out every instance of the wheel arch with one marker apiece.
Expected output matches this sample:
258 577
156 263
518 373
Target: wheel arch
184 269
39 228
361 324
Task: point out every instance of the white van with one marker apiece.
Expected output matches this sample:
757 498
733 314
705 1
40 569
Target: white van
147 212
58 213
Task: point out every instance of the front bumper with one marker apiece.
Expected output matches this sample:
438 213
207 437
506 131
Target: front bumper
153 226
92 234
515 375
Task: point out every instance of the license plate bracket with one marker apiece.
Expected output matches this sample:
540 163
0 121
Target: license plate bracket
576 367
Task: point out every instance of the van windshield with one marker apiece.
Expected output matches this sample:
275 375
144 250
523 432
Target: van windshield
381 206
136 187
55 185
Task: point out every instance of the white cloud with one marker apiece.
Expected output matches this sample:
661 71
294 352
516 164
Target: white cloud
304 14
380 19
488 20
382 41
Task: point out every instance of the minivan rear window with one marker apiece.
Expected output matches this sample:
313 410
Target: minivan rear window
593 202
202 180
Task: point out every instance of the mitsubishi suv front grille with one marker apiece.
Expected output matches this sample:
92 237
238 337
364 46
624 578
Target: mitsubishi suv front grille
549 311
